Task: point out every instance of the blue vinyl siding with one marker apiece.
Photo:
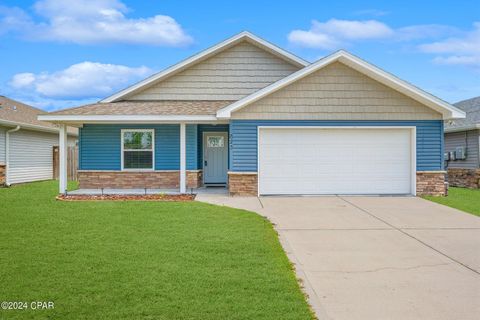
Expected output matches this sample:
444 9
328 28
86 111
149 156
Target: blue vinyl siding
243 140
100 146
207 128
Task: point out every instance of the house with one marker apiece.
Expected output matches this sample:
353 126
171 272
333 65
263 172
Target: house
462 140
248 114
26 144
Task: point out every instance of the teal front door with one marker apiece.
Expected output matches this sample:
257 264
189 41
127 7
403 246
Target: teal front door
215 157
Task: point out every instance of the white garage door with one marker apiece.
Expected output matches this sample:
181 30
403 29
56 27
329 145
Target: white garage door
335 161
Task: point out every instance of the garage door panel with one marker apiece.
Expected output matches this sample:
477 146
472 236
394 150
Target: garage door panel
334 161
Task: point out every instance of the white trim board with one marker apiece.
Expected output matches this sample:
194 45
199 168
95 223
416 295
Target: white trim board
448 111
245 35
413 147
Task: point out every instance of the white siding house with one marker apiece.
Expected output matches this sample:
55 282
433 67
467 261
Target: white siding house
26 144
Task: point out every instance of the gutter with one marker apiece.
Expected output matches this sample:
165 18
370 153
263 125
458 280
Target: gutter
32 127
7 152
464 128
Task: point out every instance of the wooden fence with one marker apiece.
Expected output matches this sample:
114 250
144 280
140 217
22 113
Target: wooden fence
72 162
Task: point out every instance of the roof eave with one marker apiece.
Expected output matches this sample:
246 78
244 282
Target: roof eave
31 127
464 128
78 119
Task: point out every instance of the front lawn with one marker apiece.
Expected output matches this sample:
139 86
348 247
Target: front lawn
464 199
141 260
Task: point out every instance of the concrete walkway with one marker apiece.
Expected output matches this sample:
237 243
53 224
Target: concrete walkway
377 257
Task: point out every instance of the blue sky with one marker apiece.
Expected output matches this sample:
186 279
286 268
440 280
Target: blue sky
57 54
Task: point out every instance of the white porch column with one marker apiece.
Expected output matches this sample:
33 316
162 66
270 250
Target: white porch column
183 158
62 146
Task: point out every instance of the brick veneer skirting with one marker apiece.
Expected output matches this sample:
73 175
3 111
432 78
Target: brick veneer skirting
136 180
242 183
428 183
2 174
194 179
431 183
466 178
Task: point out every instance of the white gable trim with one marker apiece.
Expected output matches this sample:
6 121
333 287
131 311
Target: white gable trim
448 111
291 58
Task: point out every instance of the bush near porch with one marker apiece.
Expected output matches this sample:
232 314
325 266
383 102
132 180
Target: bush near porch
141 260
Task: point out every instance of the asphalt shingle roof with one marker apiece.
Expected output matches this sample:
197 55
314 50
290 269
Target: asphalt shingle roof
21 113
161 107
472 109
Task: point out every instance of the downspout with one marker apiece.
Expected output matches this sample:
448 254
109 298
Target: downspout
7 153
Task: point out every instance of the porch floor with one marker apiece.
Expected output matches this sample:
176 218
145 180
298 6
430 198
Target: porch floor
202 190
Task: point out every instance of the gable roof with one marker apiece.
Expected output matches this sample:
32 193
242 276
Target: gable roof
15 113
472 119
448 111
230 42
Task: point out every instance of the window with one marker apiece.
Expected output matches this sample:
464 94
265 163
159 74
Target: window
215 142
137 149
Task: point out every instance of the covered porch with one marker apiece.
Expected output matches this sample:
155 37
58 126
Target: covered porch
153 157
154 145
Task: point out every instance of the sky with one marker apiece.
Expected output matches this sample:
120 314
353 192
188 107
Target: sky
57 53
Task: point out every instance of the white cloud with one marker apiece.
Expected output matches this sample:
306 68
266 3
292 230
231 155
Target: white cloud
79 81
13 19
469 43
95 21
460 50
334 33
22 80
424 31
459 60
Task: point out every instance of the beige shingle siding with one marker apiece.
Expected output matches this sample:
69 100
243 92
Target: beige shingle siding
229 75
337 92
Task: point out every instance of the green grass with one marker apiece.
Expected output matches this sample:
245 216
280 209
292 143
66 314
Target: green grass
467 200
141 260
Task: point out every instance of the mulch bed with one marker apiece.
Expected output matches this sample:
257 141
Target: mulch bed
124 197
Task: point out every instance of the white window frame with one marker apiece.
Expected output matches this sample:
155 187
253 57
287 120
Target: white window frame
123 149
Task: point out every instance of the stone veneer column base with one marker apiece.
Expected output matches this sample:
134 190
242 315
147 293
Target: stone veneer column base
465 178
242 183
97 179
194 178
3 169
431 183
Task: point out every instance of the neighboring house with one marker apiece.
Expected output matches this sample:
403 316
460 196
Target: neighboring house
462 144
26 144
248 114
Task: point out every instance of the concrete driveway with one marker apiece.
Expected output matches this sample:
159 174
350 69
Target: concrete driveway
377 257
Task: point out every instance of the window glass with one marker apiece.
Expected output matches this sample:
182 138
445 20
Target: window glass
137 160
215 141
137 149
137 140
